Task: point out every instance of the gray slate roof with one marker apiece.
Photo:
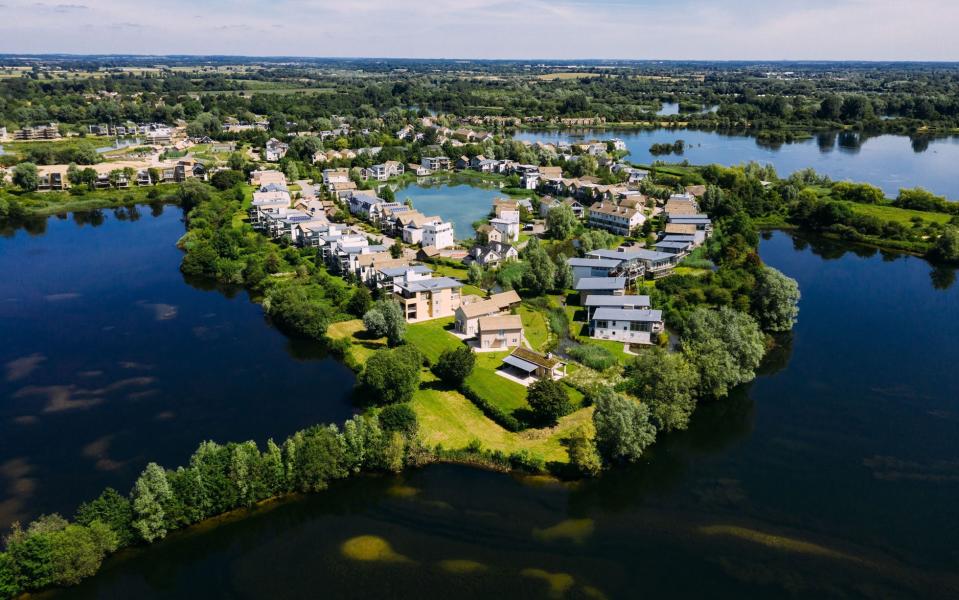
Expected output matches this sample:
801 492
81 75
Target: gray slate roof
599 263
617 301
627 314
601 283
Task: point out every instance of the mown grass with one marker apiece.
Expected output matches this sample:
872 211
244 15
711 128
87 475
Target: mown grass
535 327
362 346
496 389
432 338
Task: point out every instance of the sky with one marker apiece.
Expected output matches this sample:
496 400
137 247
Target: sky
545 29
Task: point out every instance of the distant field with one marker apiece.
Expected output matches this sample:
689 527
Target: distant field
899 215
554 76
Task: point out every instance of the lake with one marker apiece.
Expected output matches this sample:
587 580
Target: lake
890 162
110 360
834 474
453 200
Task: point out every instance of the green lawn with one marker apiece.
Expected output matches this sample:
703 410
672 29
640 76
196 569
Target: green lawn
362 346
497 390
616 348
432 338
447 270
898 215
534 326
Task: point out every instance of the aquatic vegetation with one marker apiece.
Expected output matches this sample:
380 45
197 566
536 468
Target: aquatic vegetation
462 566
574 530
371 548
559 583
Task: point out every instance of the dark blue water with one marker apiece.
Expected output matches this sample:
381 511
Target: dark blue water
110 359
454 201
890 162
834 474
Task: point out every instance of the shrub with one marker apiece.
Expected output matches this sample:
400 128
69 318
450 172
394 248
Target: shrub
594 357
549 401
399 417
455 365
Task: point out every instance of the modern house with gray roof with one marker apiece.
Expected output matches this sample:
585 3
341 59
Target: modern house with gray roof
600 286
591 267
628 325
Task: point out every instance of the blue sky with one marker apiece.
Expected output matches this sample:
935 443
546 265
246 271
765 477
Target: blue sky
563 29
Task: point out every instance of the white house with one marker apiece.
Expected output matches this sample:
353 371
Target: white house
508 228
617 219
439 235
274 150
626 324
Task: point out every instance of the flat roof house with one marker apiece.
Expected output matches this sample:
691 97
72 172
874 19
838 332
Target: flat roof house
600 286
423 300
591 267
595 302
529 366
627 325
507 228
654 264
500 331
439 235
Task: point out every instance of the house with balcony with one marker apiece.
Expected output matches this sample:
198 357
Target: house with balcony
384 171
620 220
435 163
628 325
507 228
600 286
427 299
639 262
625 302
439 235
591 267
416 227
490 255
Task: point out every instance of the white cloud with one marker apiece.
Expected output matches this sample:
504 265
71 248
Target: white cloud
681 29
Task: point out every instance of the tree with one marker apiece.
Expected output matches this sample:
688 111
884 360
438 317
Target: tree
76 552
392 375
224 180
549 401
191 193
564 273
25 176
396 249
560 221
235 162
320 457
386 319
291 307
474 274
113 510
775 300
540 276
582 452
666 382
946 247
9 588
455 365
725 346
73 174
151 493
623 430
360 301
399 417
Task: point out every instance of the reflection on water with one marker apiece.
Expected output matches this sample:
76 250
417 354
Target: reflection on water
110 359
888 161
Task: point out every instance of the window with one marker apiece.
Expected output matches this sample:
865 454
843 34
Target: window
601 324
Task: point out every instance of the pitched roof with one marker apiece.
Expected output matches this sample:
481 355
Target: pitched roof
682 228
481 308
500 322
506 299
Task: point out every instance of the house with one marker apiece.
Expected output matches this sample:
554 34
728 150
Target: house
508 229
334 176
415 229
652 263
384 171
435 163
677 247
419 170
626 324
389 272
426 299
267 177
462 163
274 150
624 302
143 177
529 366
547 203
468 315
600 286
616 219
591 267
551 172
529 181
500 332
439 235
491 255
362 203
702 222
